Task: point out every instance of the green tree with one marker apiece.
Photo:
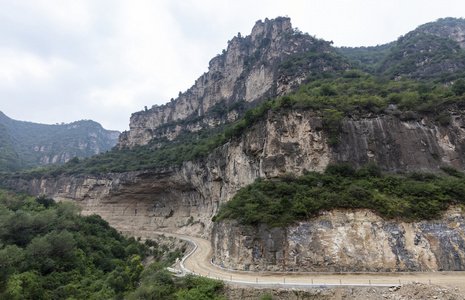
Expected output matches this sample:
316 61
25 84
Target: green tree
25 285
459 87
134 270
332 123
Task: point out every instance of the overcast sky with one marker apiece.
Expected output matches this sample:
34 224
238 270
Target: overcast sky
68 60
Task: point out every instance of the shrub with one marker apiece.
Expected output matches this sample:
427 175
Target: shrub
414 196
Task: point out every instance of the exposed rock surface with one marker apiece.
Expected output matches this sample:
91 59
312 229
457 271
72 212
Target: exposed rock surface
345 241
185 198
253 68
138 201
247 71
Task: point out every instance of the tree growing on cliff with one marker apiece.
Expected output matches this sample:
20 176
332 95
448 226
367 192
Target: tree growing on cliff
332 123
459 87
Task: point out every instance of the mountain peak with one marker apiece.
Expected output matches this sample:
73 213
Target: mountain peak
270 62
271 28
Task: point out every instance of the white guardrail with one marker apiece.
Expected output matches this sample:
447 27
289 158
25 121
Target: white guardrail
287 285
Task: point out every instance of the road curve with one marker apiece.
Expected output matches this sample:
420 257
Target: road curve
199 262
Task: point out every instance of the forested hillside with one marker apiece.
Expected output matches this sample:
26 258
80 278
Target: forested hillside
49 251
411 197
27 145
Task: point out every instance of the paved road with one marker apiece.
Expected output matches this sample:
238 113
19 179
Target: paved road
199 262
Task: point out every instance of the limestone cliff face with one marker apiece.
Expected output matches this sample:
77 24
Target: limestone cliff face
345 241
139 201
248 71
418 145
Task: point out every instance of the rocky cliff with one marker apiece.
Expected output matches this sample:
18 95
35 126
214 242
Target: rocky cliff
146 200
248 72
345 241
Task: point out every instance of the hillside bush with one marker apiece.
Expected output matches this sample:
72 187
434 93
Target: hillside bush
412 197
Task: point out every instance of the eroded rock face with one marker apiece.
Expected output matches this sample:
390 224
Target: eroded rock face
395 145
345 241
247 71
294 142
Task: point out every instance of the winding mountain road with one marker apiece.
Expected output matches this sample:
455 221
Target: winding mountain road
199 262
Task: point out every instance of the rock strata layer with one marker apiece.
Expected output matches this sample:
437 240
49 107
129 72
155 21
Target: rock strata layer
345 241
134 202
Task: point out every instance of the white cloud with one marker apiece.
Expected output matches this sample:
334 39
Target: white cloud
62 60
17 66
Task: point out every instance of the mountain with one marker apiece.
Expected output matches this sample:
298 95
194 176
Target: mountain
279 107
433 52
272 61
27 145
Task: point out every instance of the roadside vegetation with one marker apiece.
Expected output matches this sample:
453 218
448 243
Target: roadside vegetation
49 251
409 197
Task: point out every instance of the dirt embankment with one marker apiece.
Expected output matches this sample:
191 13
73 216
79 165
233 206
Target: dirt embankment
412 291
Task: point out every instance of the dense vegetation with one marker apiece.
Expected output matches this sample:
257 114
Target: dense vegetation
366 58
24 143
425 57
9 159
47 251
158 284
410 197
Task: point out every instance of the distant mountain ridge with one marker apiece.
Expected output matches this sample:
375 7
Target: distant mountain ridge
434 51
27 145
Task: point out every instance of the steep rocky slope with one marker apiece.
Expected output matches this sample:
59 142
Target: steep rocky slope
145 200
345 241
252 69
447 27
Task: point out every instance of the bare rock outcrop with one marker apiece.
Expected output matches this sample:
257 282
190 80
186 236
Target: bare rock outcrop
248 71
345 241
135 202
